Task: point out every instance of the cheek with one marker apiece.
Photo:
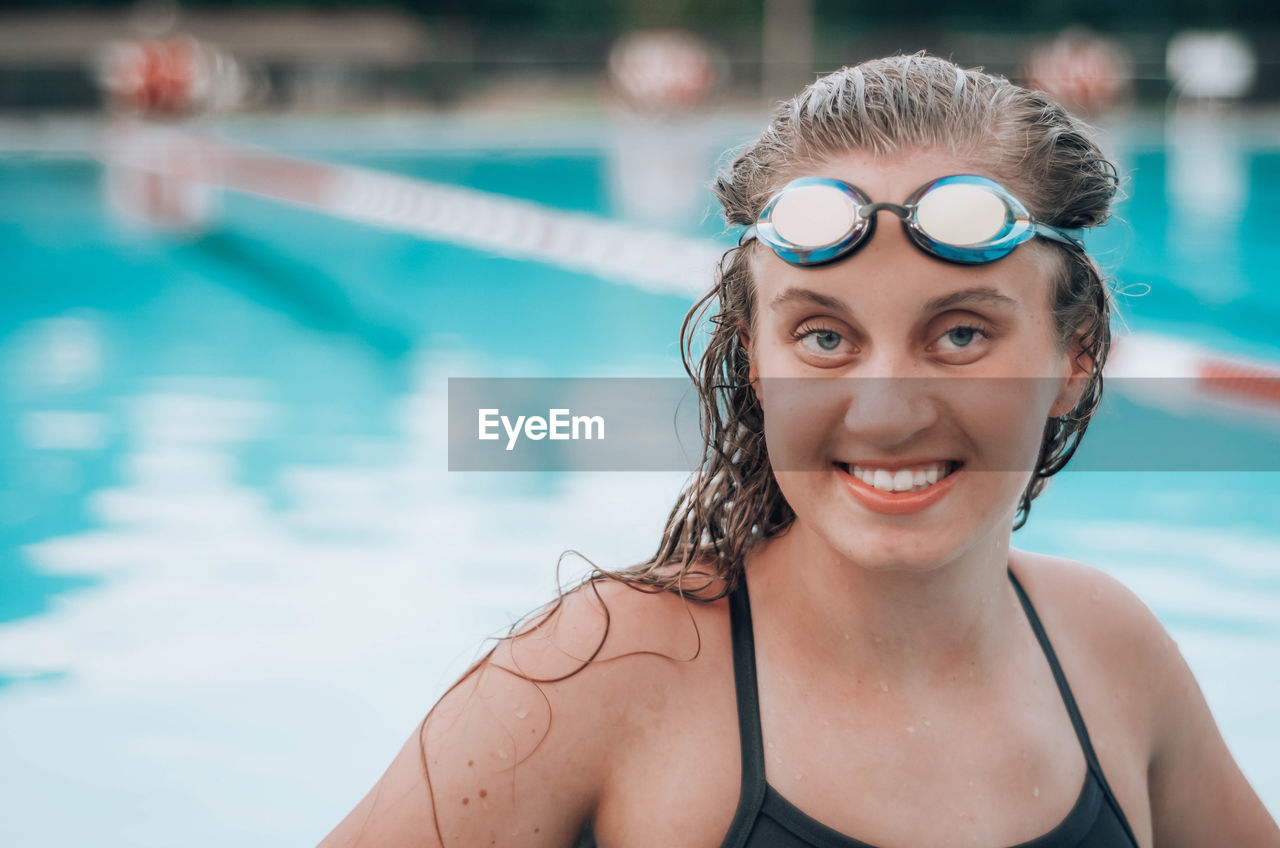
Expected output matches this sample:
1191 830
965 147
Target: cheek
1004 418
801 416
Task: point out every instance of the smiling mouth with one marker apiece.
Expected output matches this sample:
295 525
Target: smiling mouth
910 478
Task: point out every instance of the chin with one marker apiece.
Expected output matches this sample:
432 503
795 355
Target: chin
888 548
894 559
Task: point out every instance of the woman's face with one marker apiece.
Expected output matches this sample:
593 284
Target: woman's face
893 367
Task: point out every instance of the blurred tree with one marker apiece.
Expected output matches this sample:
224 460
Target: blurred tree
996 15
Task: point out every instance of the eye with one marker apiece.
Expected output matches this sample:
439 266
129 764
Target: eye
828 340
963 339
963 336
820 342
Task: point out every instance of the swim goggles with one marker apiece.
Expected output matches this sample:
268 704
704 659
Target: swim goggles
962 218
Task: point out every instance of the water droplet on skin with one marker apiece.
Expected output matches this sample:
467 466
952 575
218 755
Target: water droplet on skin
846 637
777 759
1036 791
522 712
878 640
502 754
911 728
884 686
770 744
927 724
826 722
799 777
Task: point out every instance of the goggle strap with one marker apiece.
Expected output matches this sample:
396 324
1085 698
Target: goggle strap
747 235
1071 237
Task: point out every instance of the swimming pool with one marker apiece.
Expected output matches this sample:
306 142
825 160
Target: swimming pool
236 572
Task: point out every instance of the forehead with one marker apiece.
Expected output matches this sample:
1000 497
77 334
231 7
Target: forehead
889 269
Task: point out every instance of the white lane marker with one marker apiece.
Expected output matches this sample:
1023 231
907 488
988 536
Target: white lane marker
653 260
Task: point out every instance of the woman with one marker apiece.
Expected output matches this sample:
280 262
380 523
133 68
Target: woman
835 644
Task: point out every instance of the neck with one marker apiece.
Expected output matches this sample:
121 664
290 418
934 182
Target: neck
899 627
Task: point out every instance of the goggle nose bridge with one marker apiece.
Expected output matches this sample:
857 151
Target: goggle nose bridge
870 209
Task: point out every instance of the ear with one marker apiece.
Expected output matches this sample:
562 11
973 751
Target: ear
1077 367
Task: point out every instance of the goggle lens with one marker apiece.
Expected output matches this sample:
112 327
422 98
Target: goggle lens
963 218
814 216
962 214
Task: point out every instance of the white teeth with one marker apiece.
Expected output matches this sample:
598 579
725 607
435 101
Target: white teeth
902 480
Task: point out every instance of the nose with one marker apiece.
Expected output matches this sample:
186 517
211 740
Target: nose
888 405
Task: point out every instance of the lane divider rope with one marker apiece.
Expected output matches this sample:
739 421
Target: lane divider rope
653 260
1191 372
612 250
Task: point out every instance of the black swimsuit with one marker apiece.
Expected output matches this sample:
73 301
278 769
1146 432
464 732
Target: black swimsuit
765 819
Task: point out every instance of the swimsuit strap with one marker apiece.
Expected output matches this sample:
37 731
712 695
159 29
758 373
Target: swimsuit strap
1077 721
752 737
750 734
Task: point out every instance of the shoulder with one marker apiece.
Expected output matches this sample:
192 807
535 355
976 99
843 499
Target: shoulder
605 619
1098 604
1193 788
1088 594
603 670
597 651
1111 637
518 750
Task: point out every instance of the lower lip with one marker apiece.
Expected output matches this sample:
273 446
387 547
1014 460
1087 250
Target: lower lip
898 503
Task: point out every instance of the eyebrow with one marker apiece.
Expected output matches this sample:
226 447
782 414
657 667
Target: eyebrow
978 295
797 295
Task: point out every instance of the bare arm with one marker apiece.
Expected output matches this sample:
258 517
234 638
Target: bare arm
1198 794
501 761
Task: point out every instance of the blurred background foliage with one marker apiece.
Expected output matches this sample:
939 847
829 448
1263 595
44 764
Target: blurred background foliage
458 47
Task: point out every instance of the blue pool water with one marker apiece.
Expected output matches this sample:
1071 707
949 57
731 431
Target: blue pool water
234 570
